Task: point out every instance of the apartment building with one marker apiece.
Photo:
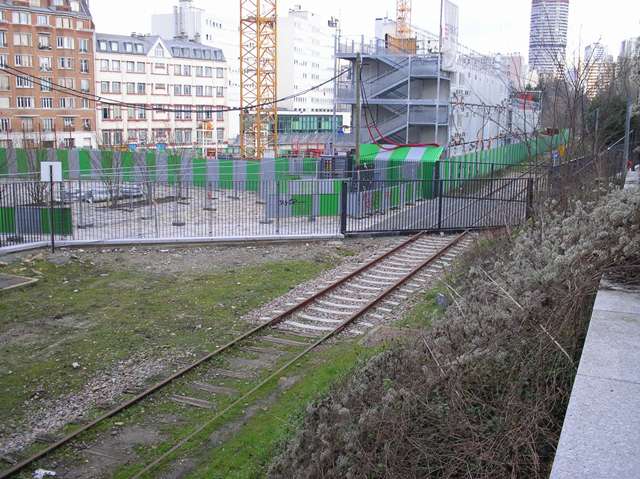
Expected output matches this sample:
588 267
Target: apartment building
189 22
173 90
46 86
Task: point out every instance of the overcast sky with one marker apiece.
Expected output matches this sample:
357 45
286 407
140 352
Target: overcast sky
485 25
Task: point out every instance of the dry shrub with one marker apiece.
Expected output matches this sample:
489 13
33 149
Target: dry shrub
484 392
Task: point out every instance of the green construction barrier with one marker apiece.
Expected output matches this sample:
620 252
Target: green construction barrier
4 164
7 220
63 221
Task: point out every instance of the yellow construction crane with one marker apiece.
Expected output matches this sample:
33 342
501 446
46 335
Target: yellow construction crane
403 19
258 77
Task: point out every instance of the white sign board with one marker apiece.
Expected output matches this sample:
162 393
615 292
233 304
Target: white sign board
50 171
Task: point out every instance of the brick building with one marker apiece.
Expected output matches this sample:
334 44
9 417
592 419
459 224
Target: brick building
51 40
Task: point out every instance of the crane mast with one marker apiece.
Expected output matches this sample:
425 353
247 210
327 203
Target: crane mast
258 77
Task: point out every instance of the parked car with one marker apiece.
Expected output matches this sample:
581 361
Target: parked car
98 193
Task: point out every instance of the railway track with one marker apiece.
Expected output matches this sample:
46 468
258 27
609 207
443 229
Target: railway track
350 305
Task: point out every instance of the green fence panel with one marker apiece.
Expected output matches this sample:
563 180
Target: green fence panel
22 161
329 205
302 205
128 166
63 222
282 169
309 166
4 164
63 157
84 163
174 168
106 161
254 175
199 171
7 220
225 174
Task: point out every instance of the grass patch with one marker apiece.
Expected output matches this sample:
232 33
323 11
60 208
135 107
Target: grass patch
250 452
424 312
95 316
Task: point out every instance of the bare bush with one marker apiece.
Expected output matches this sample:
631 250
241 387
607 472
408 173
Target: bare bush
484 392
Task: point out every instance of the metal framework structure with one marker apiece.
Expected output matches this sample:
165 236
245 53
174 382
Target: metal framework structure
258 77
403 18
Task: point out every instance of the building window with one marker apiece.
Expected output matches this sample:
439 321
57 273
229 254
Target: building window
4 83
24 82
113 46
128 47
219 72
5 124
22 40
219 91
68 83
44 41
199 90
86 104
220 134
63 22
22 18
139 48
220 115
24 61
104 87
177 90
42 20
208 72
67 102
68 122
47 124
140 67
84 66
26 124
3 61
45 84
24 102
45 64
84 45
131 88
199 71
104 65
69 143
187 90
3 39
86 124
208 91
115 66
116 87
159 51
46 103
130 67
102 45
141 88
80 25
187 70
66 43
65 63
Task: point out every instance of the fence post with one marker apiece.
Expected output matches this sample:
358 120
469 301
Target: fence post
344 205
51 220
438 188
529 198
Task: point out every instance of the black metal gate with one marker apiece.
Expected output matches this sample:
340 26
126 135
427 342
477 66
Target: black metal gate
406 206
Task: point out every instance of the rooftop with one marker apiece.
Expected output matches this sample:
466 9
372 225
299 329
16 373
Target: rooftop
142 45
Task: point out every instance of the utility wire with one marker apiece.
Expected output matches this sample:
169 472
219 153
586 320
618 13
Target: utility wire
106 101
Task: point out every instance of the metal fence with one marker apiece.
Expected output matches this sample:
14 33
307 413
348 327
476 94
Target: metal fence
108 210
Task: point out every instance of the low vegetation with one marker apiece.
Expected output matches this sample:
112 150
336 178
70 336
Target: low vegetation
483 391
82 319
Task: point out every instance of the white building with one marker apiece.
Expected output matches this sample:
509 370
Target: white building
188 22
187 78
306 46
548 36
